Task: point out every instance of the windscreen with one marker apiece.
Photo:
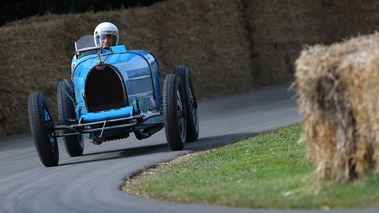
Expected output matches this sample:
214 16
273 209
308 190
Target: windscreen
84 42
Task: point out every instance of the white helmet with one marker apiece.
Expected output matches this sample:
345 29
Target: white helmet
105 29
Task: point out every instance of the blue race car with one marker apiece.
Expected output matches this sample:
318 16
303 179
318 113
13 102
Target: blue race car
114 92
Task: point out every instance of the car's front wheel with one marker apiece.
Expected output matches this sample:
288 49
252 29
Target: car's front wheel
41 126
174 112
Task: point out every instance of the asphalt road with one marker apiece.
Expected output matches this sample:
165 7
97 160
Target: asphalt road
91 183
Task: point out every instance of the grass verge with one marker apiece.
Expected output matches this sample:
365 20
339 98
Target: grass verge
269 170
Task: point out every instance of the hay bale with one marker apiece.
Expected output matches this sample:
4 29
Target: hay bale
29 64
279 30
338 87
277 23
209 37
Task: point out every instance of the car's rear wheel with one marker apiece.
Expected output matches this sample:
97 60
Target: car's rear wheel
174 112
41 126
190 101
66 112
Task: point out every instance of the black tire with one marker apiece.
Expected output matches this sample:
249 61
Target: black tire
74 143
190 101
41 126
174 112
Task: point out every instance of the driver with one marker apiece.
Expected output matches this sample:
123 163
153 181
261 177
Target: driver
106 35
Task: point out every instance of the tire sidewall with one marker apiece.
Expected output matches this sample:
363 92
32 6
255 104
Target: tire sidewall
192 122
175 137
42 133
74 143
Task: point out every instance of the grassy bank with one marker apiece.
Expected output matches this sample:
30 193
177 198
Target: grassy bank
265 171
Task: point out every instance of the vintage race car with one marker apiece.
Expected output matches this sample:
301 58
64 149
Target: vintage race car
112 93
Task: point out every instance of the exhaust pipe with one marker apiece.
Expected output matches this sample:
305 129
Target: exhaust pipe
143 134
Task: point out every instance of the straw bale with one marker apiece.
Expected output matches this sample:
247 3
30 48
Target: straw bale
338 87
279 30
277 23
21 74
347 18
212 43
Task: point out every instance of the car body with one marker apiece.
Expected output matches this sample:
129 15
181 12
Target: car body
114 92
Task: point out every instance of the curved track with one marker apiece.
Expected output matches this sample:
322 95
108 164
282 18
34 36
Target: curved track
91 183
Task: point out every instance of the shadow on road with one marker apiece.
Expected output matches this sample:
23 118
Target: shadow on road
201 144
115 154
214 141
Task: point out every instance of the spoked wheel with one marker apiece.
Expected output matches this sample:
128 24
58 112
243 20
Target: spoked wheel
66 111
41 125
190 101
174 112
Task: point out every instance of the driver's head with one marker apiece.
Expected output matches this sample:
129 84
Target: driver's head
106 35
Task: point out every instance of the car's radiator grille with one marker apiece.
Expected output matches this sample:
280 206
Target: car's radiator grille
104 90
